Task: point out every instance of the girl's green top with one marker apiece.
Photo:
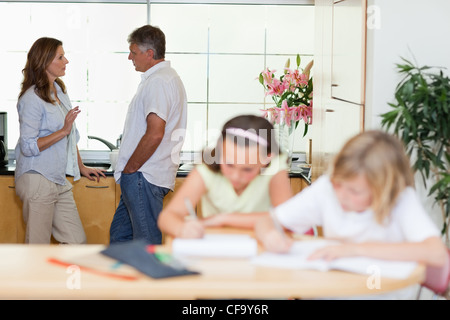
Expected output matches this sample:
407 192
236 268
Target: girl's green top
222 198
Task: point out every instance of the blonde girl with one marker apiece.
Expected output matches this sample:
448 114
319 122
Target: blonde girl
237 183
367 201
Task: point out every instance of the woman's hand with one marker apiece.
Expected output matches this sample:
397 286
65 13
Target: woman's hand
89 172
92 173
70 119
47 141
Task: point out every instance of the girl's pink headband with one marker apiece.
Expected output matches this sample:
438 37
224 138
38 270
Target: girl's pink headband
247 134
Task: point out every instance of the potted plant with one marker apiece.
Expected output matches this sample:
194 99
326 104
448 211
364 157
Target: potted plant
421 119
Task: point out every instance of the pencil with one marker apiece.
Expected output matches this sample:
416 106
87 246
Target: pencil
276 222
189 207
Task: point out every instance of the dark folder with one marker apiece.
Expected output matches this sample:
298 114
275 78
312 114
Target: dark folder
136 254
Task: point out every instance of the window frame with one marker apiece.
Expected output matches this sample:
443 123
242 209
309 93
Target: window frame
234 2
181 2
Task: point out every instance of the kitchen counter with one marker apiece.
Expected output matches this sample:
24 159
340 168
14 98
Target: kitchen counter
299 170
96 202
10 169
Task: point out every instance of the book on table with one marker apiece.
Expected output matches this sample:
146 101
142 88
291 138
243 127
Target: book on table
297 258
216 246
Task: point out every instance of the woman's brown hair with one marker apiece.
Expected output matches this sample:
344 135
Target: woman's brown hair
257 126
381 158
41 54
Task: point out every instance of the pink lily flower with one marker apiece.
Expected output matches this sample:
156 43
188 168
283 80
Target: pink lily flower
291 86
305 113
276 88
268 76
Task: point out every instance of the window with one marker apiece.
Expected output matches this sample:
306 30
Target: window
217 49
99 77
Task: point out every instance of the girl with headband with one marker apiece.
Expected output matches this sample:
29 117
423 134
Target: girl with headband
237 183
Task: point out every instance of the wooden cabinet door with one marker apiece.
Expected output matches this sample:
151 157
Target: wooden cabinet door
11 221
96 203
298 184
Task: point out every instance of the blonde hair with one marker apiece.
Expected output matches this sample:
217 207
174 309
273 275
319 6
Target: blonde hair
381 158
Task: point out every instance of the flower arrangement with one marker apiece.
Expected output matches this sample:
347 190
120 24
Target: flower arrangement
292 94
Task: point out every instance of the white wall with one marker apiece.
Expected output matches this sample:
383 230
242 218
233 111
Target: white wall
413 29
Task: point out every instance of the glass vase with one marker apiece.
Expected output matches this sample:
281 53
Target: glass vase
285 134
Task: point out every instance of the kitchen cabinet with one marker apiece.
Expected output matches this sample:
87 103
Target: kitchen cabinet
12 227
297 184
342 121
96 203
339 78
348 50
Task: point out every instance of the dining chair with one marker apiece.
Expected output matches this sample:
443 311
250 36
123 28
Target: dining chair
312 232
437 279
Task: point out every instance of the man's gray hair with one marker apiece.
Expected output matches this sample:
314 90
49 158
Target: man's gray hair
149 38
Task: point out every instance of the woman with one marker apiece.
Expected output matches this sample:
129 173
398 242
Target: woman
47 150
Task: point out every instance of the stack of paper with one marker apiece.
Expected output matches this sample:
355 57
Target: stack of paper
216 245
297 258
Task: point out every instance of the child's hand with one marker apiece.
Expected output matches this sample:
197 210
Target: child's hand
274 241
216 220
332 252
191 229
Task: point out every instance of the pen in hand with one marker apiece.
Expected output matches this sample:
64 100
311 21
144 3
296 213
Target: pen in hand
193 228
190 209
276 222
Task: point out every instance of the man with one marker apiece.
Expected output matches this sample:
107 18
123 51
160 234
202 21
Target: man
148 158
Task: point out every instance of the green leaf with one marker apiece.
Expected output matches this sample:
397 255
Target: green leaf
388 118
306 130
407 62
442 185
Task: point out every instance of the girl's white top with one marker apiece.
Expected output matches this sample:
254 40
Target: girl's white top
317 205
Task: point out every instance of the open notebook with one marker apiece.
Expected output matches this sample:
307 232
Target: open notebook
216 246
297 258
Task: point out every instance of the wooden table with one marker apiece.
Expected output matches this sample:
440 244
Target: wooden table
25 273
